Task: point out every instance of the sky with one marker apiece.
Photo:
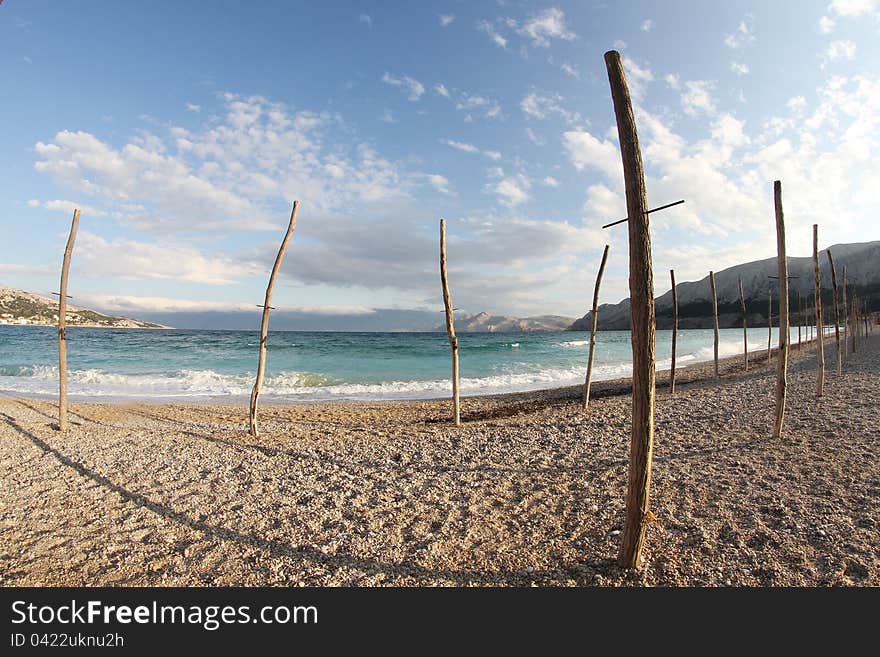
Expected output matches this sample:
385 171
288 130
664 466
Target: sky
184 132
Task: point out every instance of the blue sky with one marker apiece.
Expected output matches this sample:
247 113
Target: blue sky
184 131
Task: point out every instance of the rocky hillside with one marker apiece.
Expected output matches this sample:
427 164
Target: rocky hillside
862 263
23 308
486 323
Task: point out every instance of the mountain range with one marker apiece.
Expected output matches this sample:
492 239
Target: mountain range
862 262
28 309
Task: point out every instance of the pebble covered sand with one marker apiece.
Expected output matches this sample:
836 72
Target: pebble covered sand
529 491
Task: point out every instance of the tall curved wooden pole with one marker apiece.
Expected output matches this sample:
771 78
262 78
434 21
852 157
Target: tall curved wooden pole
820 348
715 317
782 357
450 323
836 312
593 329
674 331
642 321
742 303
62 325
264 326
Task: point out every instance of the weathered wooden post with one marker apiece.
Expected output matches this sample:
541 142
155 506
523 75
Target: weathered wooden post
62 325
593 329
674 331
642 321
855 321
845 315
800 317
820 383
450 323
742 303
264 326
715 317
769 319
836 312
782 360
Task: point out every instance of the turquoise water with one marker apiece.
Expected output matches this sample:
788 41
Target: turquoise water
187 364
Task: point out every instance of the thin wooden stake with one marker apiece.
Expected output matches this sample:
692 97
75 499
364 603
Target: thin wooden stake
642 321
674 331
450 323
593 329
62 325
845 315
715 316
769 321
836 313
820 382
782 264
264 326
742 303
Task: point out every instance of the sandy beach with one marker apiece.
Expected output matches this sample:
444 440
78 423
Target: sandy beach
529 491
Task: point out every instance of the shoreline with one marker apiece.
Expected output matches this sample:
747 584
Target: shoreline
528 491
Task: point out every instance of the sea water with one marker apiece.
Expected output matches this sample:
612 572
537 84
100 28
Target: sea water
307 366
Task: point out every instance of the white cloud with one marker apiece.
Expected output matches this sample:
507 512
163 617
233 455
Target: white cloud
446 19
232 173
130 259
739 68
513 191
442 90
414 88
366 20
388 116
826 24
673 81
637 77
797 104
489 29
852 7
115 303
571 70
192 107
647 25
697 97
534 137
440 183
461 146
842 49
67 207
480 105
744 34
541 107
470 148
545 26
586 151
550 181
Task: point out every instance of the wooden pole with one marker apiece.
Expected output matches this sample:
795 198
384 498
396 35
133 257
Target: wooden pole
593 329
62 325
742 303
715 317
642 321
782 360
855 322
769 320
674 331
845 315
264 326
820 382
450 323
836 312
